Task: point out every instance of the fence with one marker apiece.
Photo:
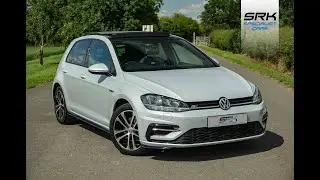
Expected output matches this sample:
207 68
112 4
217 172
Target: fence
202 40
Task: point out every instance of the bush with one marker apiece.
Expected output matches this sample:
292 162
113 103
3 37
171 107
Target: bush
180 25
228 40
287 46
236 41
261 48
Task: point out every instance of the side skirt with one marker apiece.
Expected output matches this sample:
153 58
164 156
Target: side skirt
85 120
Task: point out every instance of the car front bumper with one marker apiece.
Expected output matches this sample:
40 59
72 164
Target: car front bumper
190 128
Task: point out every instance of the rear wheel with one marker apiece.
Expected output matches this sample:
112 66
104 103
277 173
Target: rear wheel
60 108
124 131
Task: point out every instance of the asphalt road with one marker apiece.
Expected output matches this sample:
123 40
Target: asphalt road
80 151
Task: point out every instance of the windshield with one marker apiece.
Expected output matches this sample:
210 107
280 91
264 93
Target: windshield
152 54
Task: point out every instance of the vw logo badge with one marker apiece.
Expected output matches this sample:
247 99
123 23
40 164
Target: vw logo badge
224 103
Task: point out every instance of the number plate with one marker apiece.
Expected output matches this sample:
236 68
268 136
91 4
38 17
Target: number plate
227 120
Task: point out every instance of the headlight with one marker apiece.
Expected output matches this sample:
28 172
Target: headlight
162 103
257 99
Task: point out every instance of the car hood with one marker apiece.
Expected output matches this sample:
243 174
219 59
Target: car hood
189 85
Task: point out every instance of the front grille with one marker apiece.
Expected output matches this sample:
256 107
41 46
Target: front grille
215 104
203 135
240 100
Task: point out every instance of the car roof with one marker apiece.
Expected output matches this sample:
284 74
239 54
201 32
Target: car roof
123 34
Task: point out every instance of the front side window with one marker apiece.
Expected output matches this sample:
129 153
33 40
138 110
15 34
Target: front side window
152 54
185 56
99 53
78 52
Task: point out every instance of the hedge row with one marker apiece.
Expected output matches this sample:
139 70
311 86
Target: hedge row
229 40
287 46
263 48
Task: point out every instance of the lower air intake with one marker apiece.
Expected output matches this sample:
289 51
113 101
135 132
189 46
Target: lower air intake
204 135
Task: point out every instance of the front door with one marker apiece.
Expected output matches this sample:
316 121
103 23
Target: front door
99 88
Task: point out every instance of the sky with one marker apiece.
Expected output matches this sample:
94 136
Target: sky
190 8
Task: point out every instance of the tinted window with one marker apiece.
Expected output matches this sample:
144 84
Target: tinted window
99 53
78 53
152 54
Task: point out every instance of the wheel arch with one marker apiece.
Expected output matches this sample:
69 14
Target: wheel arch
120 100
55 85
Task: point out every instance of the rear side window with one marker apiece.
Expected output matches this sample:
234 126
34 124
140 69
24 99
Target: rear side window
78 53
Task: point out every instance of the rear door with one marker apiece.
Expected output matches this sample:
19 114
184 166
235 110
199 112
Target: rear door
74 70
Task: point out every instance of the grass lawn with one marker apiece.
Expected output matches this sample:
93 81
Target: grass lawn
33 52
261 67
37 74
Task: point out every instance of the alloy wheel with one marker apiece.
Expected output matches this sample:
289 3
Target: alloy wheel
125 131
59 105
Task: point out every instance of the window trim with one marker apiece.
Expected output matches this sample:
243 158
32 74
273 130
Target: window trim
86 56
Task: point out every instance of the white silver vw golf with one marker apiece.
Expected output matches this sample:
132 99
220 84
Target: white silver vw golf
154 90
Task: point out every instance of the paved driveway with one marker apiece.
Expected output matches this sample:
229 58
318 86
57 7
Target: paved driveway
80 151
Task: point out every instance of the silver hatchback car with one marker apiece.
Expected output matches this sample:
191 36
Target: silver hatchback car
155 90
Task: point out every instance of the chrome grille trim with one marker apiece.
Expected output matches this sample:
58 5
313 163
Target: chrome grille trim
215 104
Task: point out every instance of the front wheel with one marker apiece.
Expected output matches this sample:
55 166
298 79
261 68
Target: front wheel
124 131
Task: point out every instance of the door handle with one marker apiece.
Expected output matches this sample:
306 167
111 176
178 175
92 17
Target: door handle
64 71
83 77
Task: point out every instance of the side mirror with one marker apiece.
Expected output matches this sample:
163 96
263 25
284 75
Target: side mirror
215 60
99 68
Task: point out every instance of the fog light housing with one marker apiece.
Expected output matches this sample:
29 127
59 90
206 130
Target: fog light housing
160 130
265 118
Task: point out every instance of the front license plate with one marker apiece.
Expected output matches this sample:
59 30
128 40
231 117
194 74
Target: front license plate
227 120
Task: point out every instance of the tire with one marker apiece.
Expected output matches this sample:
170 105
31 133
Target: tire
60 108
119 130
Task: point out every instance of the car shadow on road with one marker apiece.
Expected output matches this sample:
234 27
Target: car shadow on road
94 130
267 142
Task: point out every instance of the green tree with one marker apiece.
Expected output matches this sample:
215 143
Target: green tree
221 14
140 12
204 30
43 20
286 13
179 25
81 17
225 14
63 20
